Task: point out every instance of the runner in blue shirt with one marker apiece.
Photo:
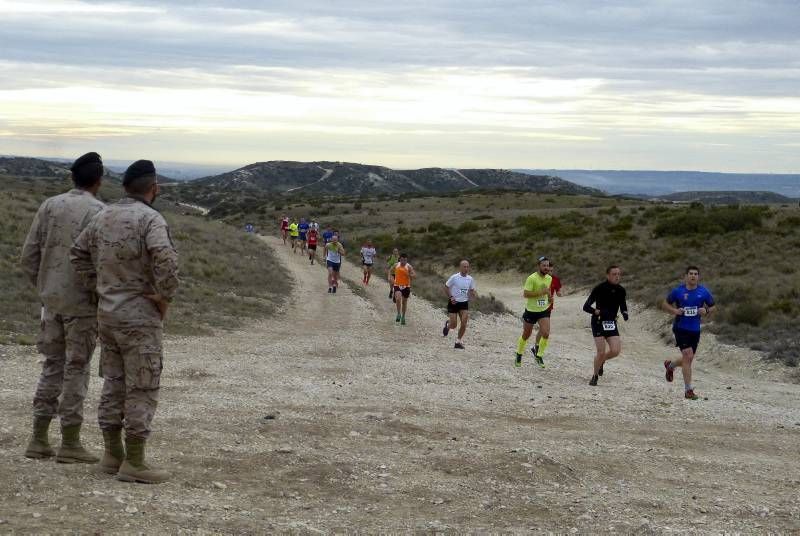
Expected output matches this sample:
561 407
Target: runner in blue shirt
327 235
303 228
689 303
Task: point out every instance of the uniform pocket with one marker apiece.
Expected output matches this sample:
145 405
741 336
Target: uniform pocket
149 376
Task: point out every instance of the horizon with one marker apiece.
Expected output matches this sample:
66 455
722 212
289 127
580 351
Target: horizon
233 167
619 85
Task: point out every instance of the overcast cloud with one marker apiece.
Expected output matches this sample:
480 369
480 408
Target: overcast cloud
707 85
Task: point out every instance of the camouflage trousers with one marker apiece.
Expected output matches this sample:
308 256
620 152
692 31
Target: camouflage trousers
130 364
67 344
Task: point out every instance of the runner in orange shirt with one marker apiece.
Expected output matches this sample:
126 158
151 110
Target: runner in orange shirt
403 274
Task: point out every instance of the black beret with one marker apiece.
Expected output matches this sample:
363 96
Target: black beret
140 168
88 158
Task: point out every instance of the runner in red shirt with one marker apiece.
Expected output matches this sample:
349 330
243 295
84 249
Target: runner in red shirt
284 228
311 241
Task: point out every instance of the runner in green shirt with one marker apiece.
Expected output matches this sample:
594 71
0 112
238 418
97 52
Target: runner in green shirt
537 311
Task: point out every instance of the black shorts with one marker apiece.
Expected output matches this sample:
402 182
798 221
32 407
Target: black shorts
454 308
686 339
406 292
532 317
603 328
366 264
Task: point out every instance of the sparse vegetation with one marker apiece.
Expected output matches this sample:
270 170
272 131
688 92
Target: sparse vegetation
226 275
737 247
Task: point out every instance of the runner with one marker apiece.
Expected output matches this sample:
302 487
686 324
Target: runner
604 302
689 303
390 264
403 274
294 235
460 287
368 253
555 290
311 237
334 251
284 228
537 311
327 235
303 230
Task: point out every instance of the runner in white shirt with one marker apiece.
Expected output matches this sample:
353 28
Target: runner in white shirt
368 254
459 289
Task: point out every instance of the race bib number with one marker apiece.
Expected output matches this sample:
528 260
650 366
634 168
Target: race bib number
464 291
609 325
542 303
690 311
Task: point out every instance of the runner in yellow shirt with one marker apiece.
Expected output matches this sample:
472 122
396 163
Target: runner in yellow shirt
294 234
537 311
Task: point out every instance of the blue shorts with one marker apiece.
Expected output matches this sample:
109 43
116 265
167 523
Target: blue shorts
303 237
335 265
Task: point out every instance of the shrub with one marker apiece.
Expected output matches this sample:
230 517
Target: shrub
748 312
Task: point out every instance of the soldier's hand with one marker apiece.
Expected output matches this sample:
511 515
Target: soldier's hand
159 302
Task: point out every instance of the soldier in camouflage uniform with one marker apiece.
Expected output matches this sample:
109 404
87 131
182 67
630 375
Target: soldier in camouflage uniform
126 253
69 313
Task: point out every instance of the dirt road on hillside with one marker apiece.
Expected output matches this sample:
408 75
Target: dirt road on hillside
329 417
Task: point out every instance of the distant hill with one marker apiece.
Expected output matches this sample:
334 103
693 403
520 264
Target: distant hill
350 179
19 166
728 198
26 167
658 183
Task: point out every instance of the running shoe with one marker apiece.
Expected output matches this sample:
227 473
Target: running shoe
670 371
458 346
690 395
397 318
402 321
334 290
446 328
330 290
593 381
540 361
535 349
391 295
600 372
518 361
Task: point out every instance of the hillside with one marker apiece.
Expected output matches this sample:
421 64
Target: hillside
728 198
657 183
26 167
349 179
225 278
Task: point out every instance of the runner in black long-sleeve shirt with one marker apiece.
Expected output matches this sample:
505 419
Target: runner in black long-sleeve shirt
606 300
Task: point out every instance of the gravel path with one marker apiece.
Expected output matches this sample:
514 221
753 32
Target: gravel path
329 417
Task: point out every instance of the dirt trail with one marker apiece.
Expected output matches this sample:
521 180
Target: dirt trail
382 427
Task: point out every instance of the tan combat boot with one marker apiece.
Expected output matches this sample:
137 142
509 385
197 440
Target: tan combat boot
39 446
114 452
133 469
71 450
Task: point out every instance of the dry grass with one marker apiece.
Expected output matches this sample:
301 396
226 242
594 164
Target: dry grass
741 250
227 276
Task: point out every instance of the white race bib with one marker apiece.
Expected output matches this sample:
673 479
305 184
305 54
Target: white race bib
609 325
690 311
464 291
542 303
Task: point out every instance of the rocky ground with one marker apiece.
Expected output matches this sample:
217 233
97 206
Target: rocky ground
328 418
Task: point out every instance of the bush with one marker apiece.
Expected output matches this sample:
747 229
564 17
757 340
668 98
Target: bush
748 312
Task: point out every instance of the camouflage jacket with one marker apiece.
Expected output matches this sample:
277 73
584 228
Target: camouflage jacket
126 253
45 255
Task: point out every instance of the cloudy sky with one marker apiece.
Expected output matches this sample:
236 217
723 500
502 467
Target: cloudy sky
705 85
